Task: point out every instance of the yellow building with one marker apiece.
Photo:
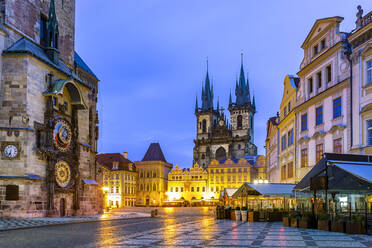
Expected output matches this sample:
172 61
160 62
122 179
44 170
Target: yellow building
196 185
232 173
287 129
188 186
152 177
119 179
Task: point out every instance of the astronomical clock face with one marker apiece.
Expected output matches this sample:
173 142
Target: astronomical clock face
62 135
62 174
10 151
221 123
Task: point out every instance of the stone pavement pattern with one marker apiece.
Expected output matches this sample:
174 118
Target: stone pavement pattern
226 233
17 223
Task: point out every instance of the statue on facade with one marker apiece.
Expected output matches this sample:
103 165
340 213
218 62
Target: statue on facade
359 15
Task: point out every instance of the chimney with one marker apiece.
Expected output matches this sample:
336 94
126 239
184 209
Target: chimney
125 154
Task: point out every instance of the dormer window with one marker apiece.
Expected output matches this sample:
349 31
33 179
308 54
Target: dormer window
115 165
322 44
315 50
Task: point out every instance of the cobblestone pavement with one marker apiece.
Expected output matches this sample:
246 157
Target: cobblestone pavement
177 227
18 223
226 233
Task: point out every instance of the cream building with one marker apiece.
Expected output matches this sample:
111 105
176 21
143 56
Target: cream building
323 95
272 150
361 58
119 179
153 172
287 130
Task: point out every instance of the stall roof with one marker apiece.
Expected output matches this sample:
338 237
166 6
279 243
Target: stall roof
273 188
346 173
270 189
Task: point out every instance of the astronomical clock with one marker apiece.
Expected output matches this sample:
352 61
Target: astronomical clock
62 174
62 135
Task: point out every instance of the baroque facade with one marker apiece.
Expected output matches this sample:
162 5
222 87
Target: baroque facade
216 136
48 116
203 186
119 179
333 98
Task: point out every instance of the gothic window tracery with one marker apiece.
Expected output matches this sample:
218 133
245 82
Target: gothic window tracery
239 121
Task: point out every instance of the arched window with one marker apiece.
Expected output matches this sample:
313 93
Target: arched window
204 126
148 187
141 187
203 156
154 187
221 153
148 174
239 121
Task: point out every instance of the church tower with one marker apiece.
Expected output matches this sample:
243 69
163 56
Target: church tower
242 113
206 118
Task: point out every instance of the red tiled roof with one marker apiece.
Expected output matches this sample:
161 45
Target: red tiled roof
107 159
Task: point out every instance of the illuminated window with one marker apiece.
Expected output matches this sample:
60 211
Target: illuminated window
290 170
319 152
234 170
181 189
228 178
197 189
211 189
217 189
303 158
192 189
176 189
245 169
171 189
203 189
240 170
283 172
337 145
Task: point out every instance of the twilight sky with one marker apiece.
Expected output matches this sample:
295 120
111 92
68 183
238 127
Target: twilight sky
150 56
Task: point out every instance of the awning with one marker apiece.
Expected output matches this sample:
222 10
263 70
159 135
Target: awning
89 181
265 190
346 173
28 177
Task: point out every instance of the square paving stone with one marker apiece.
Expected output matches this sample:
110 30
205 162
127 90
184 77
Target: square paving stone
229 242
283 243
339 244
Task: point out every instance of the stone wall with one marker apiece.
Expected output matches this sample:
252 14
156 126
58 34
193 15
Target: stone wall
24 16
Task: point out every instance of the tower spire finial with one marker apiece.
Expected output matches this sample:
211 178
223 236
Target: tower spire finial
241 55
207 64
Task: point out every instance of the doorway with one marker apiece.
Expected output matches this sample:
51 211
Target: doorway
62 207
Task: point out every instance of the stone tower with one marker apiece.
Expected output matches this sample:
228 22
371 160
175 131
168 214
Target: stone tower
48 114
215 137
242 113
